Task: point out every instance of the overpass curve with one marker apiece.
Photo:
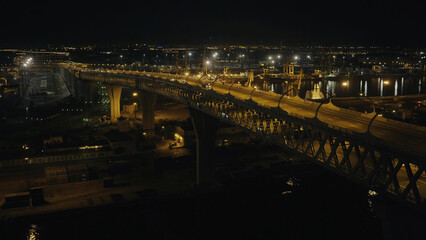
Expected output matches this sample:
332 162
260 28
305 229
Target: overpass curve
391 155
404 136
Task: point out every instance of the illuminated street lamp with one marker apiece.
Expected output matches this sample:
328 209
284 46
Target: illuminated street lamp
346 85
25 65
251 94
135 94
207 64
189 59
384 84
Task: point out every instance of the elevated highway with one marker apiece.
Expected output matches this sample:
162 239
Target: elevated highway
382 154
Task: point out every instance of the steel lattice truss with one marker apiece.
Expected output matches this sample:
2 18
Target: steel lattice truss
361 157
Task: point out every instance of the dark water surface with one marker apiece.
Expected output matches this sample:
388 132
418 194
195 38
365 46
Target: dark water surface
318 206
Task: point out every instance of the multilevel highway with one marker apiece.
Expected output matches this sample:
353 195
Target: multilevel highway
337 138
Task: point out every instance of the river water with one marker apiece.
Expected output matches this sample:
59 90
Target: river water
385 85
302 205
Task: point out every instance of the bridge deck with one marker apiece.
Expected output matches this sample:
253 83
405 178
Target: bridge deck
391 156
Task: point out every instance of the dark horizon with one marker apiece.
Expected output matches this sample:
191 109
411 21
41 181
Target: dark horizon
364 23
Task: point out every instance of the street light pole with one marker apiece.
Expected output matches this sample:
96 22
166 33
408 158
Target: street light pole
251 94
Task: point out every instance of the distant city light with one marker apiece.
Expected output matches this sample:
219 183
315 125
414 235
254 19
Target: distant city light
296 57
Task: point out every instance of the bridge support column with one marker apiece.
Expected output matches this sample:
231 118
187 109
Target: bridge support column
114 93
205 128
148 101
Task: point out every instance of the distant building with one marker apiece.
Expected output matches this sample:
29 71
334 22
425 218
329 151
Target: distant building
129 111
56 175
184 136
119 141
53 140
64 174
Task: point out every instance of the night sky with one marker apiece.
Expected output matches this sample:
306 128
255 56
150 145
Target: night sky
40 23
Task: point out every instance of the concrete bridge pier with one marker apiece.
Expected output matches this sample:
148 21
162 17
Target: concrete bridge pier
205 128
114 93
147 101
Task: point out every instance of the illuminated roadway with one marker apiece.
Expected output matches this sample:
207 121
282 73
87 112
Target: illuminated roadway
406 137
397 163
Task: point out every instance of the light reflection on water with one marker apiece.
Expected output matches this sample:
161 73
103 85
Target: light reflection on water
371 199
367 85
293 183
33 232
